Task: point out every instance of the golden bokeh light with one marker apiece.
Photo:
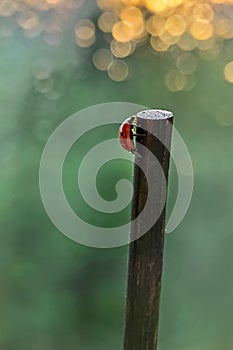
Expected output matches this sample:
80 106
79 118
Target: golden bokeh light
84 23
54 2
118 70
185 23
228 72
203 11
169 39
85 33
102 59
122 31
155 25
131 25
115 5
175 25
132 2
131 14
187 30
158 45
201 29
106 21
162 5
134 18
121 50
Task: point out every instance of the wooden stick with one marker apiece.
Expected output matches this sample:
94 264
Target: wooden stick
146 253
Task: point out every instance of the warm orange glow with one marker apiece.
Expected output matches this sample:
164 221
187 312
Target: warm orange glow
54 2
175 25
201 29
155 25
183 30
122 31
106 21
185 23
133 17
162 5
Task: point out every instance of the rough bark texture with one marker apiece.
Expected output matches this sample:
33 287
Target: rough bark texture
146 253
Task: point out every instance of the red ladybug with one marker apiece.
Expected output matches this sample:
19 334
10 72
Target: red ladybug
126 133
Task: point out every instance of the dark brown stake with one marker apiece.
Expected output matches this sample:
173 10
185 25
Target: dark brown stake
146 253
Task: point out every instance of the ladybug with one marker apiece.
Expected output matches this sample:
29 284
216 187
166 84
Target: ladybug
126 134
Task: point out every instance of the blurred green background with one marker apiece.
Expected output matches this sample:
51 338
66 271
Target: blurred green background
57 294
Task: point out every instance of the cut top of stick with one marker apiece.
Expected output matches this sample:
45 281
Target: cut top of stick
156 114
